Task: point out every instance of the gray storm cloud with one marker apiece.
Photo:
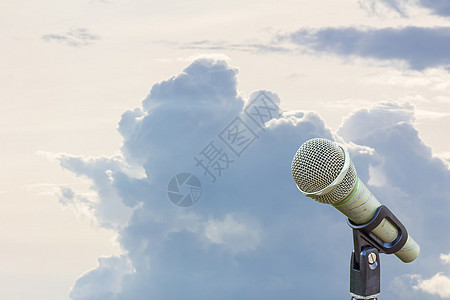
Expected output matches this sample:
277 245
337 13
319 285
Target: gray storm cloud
418 47
252 235
436 7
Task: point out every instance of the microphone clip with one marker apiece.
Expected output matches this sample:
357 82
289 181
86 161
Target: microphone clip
367 238
365 259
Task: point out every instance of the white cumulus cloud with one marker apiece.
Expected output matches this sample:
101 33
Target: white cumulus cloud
445 258
439 284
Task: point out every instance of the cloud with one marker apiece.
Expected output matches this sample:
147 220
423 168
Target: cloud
382 116
103 203
274 45
419 47
252 234
436 7
439 284
235 235
445 156
416 48
215 45
445 258
381 7
76 37
403 287
103 282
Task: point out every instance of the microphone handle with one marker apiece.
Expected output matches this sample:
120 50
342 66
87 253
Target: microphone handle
360 206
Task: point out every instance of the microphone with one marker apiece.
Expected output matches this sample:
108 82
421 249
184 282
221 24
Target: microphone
324 172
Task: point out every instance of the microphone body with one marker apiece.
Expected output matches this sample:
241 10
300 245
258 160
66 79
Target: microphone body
361 208
324 171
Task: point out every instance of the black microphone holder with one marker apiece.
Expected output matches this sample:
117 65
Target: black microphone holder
365 259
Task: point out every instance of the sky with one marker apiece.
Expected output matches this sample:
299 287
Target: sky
113 111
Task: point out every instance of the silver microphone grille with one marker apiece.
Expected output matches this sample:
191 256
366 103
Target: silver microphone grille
317 164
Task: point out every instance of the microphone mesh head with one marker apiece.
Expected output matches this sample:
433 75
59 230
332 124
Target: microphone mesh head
316 165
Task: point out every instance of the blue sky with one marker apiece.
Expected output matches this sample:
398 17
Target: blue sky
104 102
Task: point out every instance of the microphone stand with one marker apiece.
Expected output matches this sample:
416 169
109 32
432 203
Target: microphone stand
365 259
